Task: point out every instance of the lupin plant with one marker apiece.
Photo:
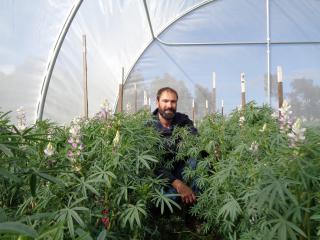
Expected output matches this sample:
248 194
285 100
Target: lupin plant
254 184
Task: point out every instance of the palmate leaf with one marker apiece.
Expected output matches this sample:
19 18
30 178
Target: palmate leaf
85 185
284 228
133 214
69 213
18 228
143 160
102 175
164 200
231 209
8 175
276 191
6 150
123 193
54 232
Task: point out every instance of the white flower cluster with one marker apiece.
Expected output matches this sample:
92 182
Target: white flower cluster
22 121
297 133
254 147
285 117
241 121
104 110
294 130
75 140
49 151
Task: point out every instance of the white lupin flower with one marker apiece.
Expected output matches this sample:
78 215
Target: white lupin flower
49 151
285 118
116 139
297 133
22 122
241 121
254 146
264 127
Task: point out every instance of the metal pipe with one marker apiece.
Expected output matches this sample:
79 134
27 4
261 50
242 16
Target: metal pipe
268 53
57 47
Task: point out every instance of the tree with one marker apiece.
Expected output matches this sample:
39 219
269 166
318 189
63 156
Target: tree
305 99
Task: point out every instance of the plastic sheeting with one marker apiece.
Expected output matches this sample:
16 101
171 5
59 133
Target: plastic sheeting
193 39
28 33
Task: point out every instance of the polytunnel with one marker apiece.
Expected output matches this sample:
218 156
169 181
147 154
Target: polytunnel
148 44
230 150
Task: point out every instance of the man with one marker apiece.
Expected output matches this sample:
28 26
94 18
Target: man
167 118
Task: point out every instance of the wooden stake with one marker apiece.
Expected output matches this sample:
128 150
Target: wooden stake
214 104
222 107
120 93
85 78
145 100
207 107
243 91
280 86
193 112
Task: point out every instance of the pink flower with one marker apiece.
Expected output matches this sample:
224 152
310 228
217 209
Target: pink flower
70 153
74 145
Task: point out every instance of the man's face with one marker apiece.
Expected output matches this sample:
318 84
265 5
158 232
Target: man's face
167 104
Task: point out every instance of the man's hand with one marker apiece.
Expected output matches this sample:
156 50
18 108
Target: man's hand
186 192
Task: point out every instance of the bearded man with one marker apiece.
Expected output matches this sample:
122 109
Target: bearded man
167 118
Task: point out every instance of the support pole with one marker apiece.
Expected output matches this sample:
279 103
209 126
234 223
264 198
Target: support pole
214 104
145 100
280 86
243 91
85 78
193 112
207 107
268 53
120 93
222 106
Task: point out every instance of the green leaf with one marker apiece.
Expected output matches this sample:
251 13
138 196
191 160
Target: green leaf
33 184
19 228
6 150
51 178
102 235
6 174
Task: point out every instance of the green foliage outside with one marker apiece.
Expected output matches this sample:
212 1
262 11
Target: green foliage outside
94 179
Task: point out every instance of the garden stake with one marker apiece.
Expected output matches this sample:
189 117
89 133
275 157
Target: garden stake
193 117
85 77
243 91
213 92
222 107
207 107
145 100
280 87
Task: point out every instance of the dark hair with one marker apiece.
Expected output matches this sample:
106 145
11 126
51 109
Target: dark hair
169 89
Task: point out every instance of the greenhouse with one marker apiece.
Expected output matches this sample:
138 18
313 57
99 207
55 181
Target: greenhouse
97 96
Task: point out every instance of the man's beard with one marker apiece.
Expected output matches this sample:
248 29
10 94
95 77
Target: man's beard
167 113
